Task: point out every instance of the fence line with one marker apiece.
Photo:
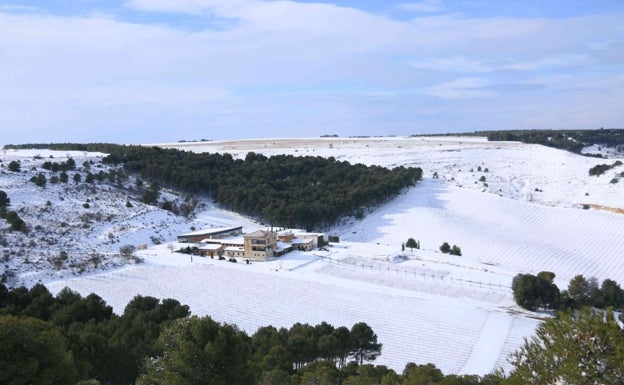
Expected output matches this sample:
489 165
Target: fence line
415 272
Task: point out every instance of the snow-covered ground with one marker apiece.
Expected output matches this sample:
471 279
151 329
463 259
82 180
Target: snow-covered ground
456 312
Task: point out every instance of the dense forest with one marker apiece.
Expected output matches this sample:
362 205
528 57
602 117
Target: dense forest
70 339
283 190
570 140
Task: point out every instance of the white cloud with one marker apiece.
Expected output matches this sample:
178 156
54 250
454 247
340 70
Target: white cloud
17 8
220 7
462 88
451 64
422 6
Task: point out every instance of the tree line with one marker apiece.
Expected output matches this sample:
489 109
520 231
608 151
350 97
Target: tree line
534 292
570 140
71 339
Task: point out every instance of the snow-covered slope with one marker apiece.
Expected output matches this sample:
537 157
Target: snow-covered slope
457 312
89 222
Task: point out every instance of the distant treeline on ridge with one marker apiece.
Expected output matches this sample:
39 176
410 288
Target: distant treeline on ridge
570 140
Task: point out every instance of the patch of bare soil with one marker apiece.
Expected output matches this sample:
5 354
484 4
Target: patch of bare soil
615 210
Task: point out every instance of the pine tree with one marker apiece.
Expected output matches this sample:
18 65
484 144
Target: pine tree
365 345
586 347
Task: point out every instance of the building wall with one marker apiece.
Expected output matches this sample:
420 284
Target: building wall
260 244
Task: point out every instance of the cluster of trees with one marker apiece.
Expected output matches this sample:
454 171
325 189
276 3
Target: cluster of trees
68 165
113 175
67 338
570 140
283 190
447 249
534 292
600 169
17 223
70 339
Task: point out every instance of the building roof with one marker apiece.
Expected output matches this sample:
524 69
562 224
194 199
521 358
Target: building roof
210 246
282 246
299 241
211 231
259 234
233 241
307 234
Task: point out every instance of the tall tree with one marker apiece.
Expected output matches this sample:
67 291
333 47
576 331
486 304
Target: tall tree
364 343
612 294
582 291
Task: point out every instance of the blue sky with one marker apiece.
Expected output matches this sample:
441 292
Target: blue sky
148 71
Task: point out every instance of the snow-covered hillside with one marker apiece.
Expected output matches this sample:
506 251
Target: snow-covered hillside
535 209
85 221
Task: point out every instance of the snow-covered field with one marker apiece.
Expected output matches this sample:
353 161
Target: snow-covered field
456 312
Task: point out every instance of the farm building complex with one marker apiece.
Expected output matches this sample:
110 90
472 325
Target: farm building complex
257 245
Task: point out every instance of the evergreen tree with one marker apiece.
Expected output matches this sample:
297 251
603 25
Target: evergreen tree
612 294
411 243
320 373
199 351
14 166
34 352
365 346
275 377
586 347
582 290
39 180
421 374
4 199
532 292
